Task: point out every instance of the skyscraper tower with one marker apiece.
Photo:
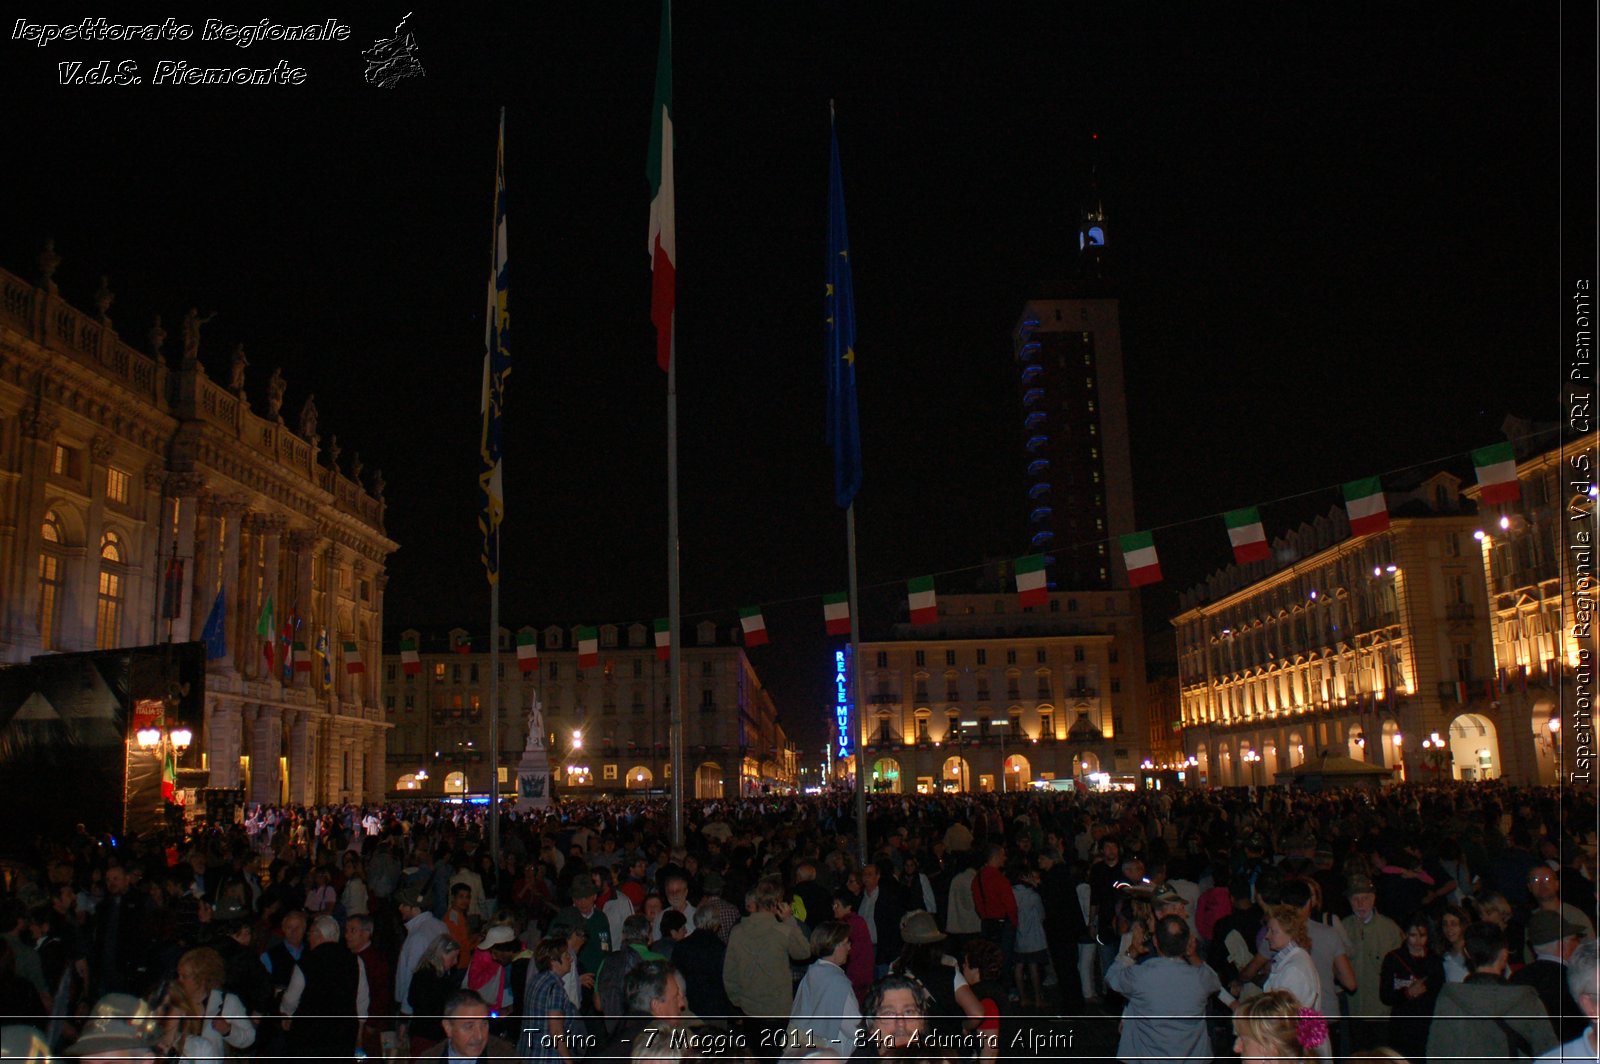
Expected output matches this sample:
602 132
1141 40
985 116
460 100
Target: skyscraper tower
1068 356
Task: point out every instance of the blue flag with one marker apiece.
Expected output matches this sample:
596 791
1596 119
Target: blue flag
212 635
844 430
496 368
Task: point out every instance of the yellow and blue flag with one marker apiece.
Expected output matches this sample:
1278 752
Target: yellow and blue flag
496 368
844 430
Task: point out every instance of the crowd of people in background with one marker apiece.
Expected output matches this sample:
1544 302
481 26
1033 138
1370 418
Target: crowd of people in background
1434 923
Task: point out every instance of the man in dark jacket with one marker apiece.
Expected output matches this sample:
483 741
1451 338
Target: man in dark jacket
881 908
326 996
1064 927
700 958
1552 940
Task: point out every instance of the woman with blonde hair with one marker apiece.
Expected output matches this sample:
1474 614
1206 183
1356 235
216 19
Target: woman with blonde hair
1275 1026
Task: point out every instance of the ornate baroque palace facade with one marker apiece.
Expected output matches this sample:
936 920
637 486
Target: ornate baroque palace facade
133 492
994 696
604 726
1376 647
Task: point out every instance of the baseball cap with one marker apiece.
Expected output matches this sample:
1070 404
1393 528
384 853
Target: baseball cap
498 935
918 927
414 898
1166 894
1358 884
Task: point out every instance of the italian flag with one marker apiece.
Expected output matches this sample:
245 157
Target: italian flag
264 630
352 659
754 625
1363 501
836 612
663 639
527 652
662 245
588 647
1139 555
302 657
410 664
1249 539
169 775
1031 587
1461 692
924 602
1497 474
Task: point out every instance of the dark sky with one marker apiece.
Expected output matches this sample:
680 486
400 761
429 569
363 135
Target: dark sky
1336 229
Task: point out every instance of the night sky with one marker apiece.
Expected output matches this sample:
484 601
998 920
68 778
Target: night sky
1336 228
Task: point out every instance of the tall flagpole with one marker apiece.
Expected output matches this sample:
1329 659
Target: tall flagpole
858 728
496 367
662 246
675 664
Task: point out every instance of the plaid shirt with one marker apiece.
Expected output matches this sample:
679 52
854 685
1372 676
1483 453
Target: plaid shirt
546 994
727 914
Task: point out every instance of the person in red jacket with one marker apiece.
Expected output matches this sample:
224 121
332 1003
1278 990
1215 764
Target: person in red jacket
996 905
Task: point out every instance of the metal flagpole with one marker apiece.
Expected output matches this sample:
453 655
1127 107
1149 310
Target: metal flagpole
494 716
857 727
675 664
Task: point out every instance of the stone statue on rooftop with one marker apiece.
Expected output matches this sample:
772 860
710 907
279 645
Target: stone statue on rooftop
158 338
308 417
236 374
275 390
192 322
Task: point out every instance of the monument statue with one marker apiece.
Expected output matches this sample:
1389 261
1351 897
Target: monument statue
308 417
356 467
535 727
158 338
334 451
192 322
275 390
236 374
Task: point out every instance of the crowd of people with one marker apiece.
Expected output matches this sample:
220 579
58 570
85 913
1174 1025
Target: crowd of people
1430 923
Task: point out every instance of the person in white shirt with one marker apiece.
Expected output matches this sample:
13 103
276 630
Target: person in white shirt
1032 949
422 928
210 1020
825 1012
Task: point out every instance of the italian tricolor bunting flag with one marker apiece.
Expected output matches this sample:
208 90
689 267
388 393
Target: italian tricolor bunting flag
1249 539
1139 555
836 612
410 664
588 647
663 639
302 657
352 659
1363 501
754 625
924 603
1497 474
1032 589
662 243
527 651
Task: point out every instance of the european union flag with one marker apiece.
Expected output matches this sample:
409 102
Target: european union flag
844 430
212 635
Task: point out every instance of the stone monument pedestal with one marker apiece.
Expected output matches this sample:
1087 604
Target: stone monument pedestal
533 771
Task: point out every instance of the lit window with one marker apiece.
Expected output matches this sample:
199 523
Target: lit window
50 580
116 485
108 604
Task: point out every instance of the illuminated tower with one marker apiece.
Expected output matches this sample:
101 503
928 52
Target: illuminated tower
1068 351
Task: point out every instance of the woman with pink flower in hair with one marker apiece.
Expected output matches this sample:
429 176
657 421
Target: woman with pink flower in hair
1293 970
1274 1026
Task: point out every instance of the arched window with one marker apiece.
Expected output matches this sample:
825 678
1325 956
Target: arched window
51 582
108 606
